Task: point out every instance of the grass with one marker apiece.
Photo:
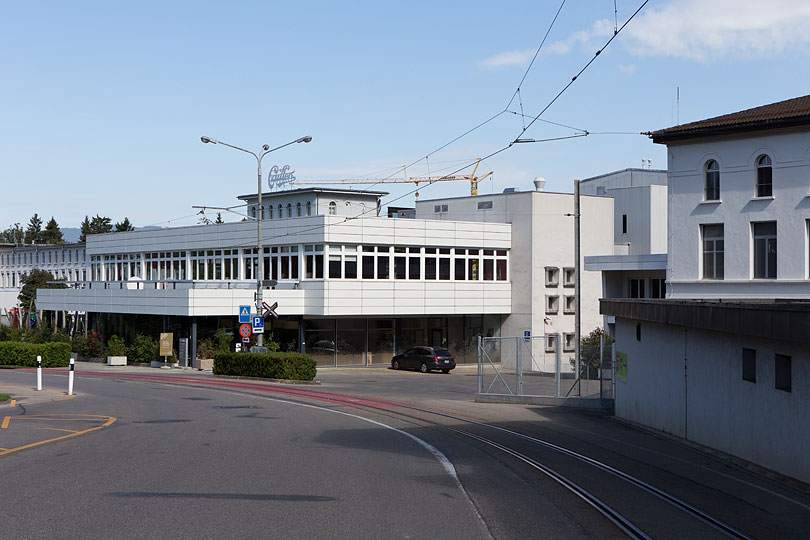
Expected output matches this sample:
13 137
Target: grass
4 397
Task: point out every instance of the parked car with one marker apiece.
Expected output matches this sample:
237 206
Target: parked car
425 359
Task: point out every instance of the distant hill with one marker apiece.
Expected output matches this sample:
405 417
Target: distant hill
72 234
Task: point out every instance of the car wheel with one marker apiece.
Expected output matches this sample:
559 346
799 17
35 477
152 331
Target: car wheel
423 368
445 371
395 364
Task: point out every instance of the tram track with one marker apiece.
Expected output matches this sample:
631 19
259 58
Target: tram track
415 414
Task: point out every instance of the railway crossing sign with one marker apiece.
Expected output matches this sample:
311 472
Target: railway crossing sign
244 330
258 324
270 310
244 314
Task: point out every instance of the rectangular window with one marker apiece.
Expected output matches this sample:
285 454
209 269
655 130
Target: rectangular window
444 268
552 276
430 267
551 343
637 288
570 304
749 365
472 269
485 205
368 266
350 267
399 267
500 270
764 250
488 269
569 277
334 265
783 379
713 248
624 223
383 263
460 267
658 288
569 342
552 304
413 267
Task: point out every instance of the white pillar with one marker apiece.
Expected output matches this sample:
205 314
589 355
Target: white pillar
70 377
39 373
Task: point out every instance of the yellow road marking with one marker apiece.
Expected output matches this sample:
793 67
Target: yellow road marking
6 420
110 420
56 429
13 402
50 400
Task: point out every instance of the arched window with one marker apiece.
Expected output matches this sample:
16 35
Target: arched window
270 211
298 209
309 208
712 192
280 212
289 209
764 176
253 212
332 208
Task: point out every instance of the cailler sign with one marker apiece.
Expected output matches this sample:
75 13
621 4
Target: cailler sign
280 176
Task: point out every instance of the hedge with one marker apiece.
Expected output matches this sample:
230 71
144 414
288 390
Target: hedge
274 365
19 353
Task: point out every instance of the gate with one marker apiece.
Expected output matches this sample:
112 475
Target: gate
536 366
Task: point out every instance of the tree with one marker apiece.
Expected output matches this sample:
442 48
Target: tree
85 229
124 226
13 235
33 234
219 218
36 279
52 233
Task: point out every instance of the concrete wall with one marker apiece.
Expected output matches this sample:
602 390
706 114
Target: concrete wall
737 209
688 382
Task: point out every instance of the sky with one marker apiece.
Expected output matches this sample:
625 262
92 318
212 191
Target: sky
102 104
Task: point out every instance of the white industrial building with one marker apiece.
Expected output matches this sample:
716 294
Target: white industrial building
352 288
724 361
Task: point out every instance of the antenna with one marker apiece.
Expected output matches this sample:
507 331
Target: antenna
677 105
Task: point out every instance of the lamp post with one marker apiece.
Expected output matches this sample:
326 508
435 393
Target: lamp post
265 150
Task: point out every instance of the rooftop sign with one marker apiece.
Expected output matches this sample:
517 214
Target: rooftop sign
278 177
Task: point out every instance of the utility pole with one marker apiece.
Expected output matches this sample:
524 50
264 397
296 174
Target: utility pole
577 287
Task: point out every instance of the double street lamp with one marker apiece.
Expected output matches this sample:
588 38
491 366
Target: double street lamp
260 214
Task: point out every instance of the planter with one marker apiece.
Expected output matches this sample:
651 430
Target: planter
155 363
206 364
116 360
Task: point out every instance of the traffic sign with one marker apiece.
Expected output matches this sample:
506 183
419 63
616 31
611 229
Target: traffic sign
245 340
270 309
245 330
244 314
258 324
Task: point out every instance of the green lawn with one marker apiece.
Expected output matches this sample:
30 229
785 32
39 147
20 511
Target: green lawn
4 397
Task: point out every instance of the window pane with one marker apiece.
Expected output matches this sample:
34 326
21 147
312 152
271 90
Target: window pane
368 267
382 267
334 266
444 268
399 267
430 268
459 273
413 267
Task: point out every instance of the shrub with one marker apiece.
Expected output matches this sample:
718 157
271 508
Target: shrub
272 365
144 349
205 348
95 346
116 346
78 344
19 353
223 341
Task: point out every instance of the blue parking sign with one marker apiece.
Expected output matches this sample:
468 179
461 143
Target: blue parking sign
258 324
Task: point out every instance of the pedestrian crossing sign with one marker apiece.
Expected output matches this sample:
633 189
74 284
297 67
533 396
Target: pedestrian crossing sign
244 314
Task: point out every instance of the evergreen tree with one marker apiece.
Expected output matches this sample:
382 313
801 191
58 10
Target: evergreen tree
33 234
99 225
36 279
124 226
85 228
52 233
13 235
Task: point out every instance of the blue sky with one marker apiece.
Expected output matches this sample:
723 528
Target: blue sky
104 103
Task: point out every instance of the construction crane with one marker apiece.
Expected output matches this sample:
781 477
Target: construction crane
474 180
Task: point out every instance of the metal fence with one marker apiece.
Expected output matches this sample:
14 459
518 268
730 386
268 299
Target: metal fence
536 366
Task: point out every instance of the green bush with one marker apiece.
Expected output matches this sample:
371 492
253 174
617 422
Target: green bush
19 353
116 346
205 348
223 341
272 365
144 349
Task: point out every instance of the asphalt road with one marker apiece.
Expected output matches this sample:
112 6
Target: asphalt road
367 454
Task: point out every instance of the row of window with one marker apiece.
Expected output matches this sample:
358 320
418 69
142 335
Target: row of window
763 240
12 279
763 186
312 261
553 277
299 210
48 256
568 342
783 376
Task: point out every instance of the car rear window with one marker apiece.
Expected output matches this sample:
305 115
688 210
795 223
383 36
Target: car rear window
442 352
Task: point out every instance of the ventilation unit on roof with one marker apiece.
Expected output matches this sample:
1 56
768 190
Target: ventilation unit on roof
510 190
539 183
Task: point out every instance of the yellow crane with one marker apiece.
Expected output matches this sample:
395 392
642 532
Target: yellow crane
474 180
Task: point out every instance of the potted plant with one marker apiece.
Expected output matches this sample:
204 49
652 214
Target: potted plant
116 351
205 354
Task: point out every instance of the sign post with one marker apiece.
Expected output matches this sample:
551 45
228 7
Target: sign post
166 340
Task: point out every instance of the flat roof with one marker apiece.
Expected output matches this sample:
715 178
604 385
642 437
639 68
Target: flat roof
343 191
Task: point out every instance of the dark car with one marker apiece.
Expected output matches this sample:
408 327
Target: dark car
425 359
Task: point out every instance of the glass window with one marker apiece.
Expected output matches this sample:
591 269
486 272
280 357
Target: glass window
783 373
368 266
472 269
332 208
765 250
382 266
289 209
399 267
569 277
414 264
713 248
430 267
552 276
500 270
460 265
334 265
552 304
749 365
764 177
657 288
712 188
637 289
280 212
309 208
444 267
488 269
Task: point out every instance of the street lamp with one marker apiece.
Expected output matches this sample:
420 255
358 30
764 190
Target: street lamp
265 150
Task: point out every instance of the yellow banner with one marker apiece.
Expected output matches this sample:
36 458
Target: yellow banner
166 344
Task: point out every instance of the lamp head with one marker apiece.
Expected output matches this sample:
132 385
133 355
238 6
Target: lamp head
304 139
208 140
266 147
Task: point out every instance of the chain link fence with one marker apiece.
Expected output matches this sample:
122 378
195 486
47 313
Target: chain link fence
536 366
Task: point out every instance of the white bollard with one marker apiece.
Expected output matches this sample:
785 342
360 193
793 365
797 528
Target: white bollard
70 377
39 373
